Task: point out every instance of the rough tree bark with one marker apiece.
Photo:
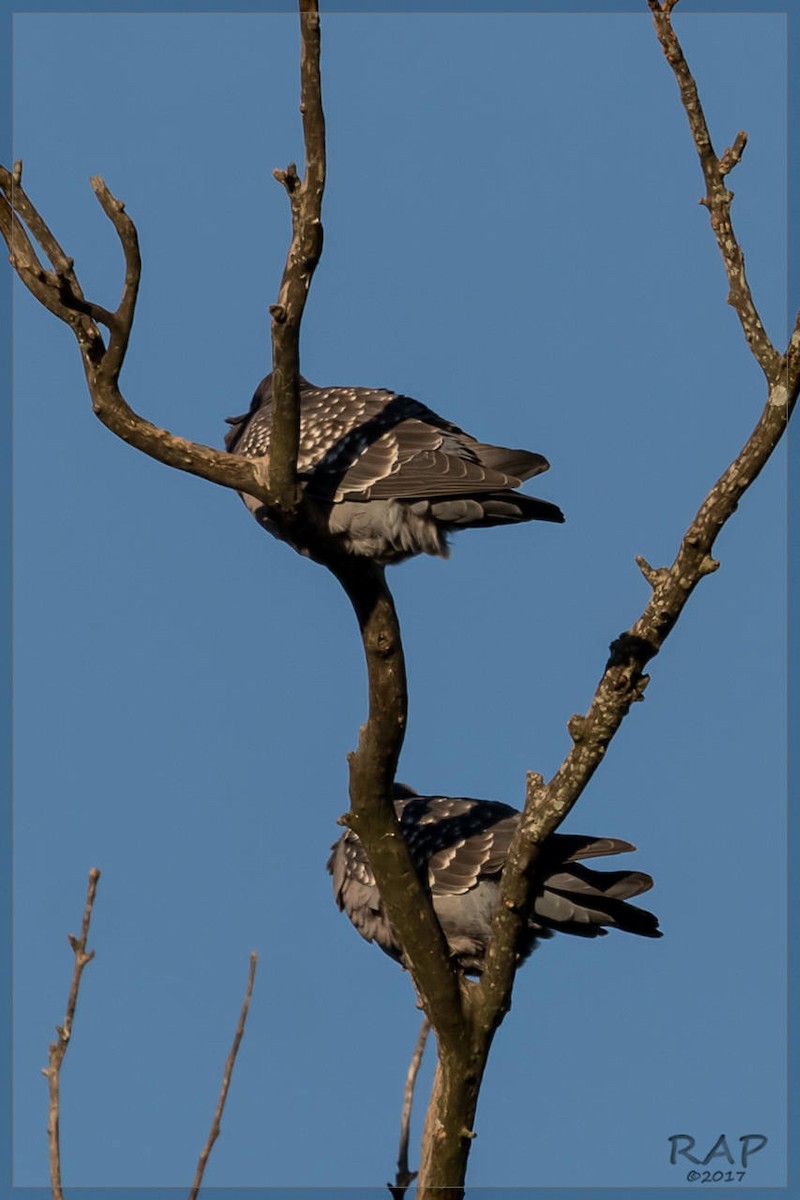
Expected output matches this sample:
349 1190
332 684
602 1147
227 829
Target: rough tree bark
464 1016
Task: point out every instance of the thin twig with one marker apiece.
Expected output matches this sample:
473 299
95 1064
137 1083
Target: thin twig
305 197
120 322
404 1178
226 1080
718 198
58 1049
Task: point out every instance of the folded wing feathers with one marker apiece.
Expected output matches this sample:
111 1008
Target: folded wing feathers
572 846
365 443
521 464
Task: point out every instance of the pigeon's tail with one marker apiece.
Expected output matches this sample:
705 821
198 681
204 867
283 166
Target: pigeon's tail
491 508
578 900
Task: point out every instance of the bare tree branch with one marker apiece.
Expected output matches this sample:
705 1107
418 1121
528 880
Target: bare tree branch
120 322
58 1049
718 198
60 291
404 1178
372 816
623 680
373 764
47 286
304 253
272 481
230 1062
448 1131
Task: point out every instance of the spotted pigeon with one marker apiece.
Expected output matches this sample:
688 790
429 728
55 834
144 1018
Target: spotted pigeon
463 844
388 477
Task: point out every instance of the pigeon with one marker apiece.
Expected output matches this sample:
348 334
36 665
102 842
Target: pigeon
460 846
386 476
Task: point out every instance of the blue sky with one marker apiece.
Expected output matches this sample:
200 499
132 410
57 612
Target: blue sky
513 237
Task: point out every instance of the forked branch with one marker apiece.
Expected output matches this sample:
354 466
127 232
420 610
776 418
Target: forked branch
58 288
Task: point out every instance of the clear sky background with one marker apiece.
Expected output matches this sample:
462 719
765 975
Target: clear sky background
513 237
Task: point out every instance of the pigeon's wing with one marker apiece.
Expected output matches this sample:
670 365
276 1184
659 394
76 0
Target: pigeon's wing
349 860
457 839
356 892
568 847
420 455
373 444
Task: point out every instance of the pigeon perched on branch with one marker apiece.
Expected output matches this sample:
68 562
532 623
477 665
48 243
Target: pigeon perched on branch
462 845
387 476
